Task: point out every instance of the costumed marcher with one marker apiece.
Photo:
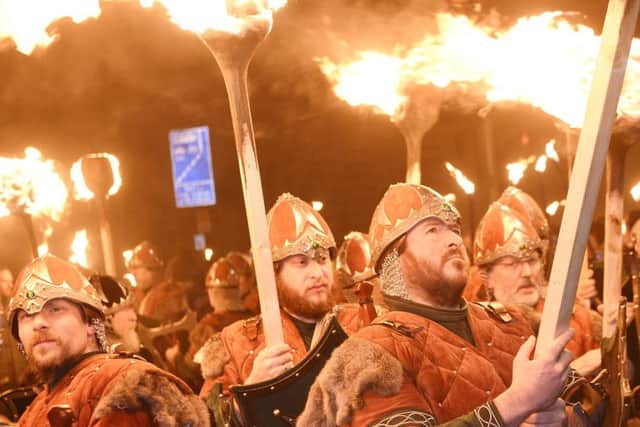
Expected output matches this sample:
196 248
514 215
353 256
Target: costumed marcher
13 368
231 286
121 319
434 359
58 319
146 267
353 265
302 246
510 256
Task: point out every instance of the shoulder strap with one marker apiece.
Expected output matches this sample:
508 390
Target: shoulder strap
496 310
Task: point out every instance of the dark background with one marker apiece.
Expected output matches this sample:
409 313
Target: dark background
119 83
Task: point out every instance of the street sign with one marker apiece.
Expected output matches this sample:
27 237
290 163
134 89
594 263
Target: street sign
191 166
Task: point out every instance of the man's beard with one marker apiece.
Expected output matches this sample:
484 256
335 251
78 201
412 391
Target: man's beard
442 290
48 366
298 305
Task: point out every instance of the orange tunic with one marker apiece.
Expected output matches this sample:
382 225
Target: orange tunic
242 341
417 366
109 390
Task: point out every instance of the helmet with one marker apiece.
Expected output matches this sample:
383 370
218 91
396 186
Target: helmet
144 255
115 295
225 284
46 278
402 207
504 232
295 228
522 202
353 261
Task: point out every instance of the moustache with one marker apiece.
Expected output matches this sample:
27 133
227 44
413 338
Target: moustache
43 337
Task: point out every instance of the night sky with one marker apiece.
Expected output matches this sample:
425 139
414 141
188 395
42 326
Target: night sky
121 82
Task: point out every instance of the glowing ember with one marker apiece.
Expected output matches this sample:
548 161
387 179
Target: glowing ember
82 191
26 21
541 164
201 16
635 192
542 60
550 151
79 248
31 185
467 186
552 208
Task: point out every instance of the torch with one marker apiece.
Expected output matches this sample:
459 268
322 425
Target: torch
233 52
97 177
30 187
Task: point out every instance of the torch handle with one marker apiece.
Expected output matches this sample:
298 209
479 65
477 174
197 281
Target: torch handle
620 23
235 79
28 224
105 239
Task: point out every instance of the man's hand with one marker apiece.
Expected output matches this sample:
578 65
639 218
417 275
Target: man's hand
589 363
554 415
536 383
270 362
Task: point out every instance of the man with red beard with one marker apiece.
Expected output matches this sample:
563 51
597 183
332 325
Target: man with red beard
57 318
302 246
434 359
510 256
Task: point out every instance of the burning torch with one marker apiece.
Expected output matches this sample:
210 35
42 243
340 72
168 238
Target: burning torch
97 177
30 187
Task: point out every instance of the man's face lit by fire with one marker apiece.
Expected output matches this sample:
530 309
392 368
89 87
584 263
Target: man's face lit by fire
304 284
434 262
516 280
54 336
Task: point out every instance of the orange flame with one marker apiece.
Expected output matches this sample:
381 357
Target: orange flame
467 186
26 21
201 16
79 248
82 191
31 185
542 60
552 208
635 192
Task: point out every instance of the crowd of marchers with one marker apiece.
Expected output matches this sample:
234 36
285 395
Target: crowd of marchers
401 326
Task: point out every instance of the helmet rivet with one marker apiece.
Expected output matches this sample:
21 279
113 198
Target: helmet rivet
315 245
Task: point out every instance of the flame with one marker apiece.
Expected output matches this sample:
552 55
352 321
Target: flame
635 192
552 208
82 191
208 254
317 205
127 255
26 21
467 186
516 171
541 164
542 60
79 248
450 197
201 16
43 249
31 185
550 151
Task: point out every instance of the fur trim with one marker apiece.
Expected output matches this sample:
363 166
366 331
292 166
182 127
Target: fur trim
355 367
162 398
596 321
212 357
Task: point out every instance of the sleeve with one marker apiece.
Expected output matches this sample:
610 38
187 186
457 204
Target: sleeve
408 409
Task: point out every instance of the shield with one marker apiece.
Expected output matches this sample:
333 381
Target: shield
279 401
